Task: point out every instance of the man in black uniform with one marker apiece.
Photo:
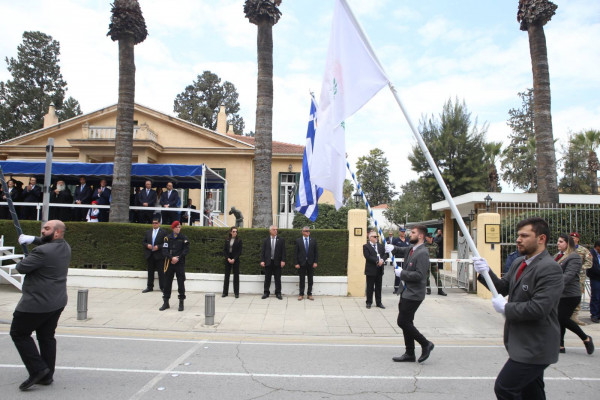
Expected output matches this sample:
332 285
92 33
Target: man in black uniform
175 248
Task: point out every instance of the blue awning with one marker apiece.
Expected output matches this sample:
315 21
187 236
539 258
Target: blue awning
183 176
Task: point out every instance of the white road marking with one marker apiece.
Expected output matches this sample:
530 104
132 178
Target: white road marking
293 376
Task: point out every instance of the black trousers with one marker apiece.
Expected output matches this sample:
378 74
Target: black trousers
168 217
158 265
273 270
374 285
44 325
236 277
303 272
145 217
177 270
520 381
566 306
406 316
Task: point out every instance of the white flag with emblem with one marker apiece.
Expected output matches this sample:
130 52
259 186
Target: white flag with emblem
352 77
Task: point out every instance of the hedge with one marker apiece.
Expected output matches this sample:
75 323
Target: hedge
119 246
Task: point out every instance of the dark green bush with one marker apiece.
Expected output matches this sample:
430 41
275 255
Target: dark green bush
119 246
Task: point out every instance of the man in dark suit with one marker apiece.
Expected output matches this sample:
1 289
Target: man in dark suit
44 297
146 198
272 259
375 257
32 193
102 196
83 195
193 217
169 199
305 259
412 293
153 241
534 284
13 193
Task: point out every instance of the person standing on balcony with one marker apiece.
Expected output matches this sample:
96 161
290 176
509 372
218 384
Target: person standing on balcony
83 195
209 206
31 194
102 196
169 199
146 198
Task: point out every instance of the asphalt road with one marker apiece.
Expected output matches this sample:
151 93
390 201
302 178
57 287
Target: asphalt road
108 364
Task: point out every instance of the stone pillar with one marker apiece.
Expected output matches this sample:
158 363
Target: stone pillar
491 252
357 220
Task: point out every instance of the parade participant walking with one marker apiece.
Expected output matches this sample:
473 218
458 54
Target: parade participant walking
232 252
176 246
43 300
534 284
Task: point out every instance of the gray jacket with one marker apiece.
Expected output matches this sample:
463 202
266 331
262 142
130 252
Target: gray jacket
531 329
414 272
571 266
45 284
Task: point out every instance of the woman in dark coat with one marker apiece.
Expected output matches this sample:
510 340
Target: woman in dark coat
232 252
570 263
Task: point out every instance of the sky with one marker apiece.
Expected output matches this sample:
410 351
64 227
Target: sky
433 51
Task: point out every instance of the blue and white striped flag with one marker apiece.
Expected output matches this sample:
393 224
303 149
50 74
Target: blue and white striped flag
308 194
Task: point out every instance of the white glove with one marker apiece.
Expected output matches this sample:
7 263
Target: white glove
398 271
499 303
389 247
480 265
26 239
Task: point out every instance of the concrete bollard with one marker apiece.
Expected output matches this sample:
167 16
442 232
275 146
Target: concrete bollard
82 304
209 309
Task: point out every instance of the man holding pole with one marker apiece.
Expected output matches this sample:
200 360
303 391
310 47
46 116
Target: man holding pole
534 284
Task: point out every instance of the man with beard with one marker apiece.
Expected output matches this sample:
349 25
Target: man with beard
412 293
43 300
61 195
534 284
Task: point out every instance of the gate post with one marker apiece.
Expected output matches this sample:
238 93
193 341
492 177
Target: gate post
489 251
357 237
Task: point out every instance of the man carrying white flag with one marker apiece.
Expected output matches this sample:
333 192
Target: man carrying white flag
352 77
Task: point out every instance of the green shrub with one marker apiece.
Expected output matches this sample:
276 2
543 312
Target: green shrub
119 246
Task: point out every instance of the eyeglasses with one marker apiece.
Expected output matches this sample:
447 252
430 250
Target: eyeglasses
155 223
305 231
233 231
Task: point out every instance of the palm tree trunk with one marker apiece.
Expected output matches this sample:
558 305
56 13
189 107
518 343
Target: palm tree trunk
545 155
262 215
119 211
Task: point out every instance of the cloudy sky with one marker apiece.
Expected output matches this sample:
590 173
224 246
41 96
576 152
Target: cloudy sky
432 50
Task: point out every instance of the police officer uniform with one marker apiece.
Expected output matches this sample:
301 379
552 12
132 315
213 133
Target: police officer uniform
175 245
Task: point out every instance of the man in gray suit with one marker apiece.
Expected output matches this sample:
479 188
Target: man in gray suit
44 298
534 284
412 292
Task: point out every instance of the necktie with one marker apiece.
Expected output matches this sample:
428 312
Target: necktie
168 194
154 232
520 271
273 242
147 193
411 251
306 245
558 257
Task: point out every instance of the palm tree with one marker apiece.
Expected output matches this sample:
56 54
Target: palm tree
264 14
533 15
492 151
589 141
127 25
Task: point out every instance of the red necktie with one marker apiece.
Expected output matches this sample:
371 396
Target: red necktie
411 251
558 257
520 271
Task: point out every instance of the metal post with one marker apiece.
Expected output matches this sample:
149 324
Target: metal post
82 304
47 181
209 309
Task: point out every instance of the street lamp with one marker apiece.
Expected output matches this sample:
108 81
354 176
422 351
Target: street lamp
472 216
488 202
357 197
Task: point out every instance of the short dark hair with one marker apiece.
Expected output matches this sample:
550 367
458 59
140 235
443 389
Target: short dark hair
421 228
597 243
538 225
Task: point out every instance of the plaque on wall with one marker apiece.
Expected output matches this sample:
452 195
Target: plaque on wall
492 233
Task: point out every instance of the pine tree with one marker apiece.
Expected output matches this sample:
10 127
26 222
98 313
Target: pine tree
374 177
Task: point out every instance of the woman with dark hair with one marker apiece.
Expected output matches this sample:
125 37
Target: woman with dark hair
570 263
232 252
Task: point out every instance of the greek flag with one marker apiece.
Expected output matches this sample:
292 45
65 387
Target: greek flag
308 194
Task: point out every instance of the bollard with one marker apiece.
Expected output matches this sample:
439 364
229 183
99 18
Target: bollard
209 309
82 303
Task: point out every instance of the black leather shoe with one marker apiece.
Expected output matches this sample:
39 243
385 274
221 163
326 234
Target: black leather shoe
368 306
426 352
224 295
562 350
595 319
264 296
380 306
405 358
428 290
279 296
164 306
442 293
32 380
48 379
589 345
147 290
395 291
180 305
237 295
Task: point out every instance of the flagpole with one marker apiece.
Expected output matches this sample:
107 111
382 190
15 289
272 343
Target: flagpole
423 146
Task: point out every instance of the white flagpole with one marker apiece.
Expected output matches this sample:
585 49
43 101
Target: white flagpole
423 146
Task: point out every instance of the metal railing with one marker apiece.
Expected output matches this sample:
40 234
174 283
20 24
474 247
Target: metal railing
109 133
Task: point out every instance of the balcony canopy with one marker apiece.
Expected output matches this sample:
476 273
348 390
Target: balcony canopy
182 176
